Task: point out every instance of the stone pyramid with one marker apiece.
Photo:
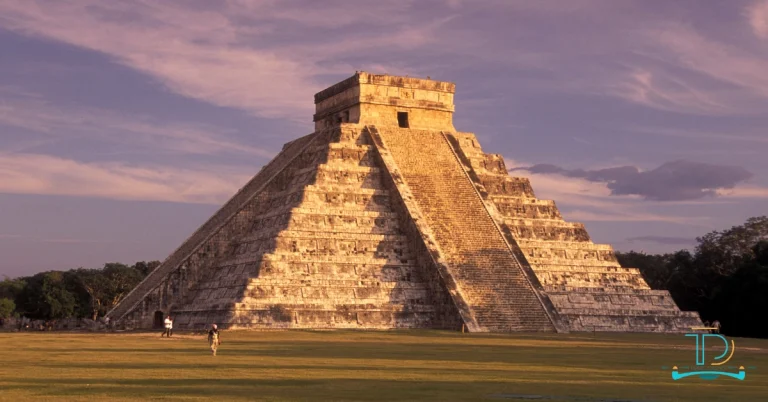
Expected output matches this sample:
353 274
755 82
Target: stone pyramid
387 217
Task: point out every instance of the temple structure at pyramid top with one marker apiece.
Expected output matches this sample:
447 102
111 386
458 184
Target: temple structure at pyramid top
387 217
385 100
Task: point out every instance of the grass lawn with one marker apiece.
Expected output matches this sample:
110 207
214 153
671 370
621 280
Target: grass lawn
381 366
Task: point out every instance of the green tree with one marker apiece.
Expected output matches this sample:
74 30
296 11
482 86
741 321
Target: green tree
744 298
146 267
651 266
722 253
12 288
94 284
121 280
724 270
7 307
46 296
104 288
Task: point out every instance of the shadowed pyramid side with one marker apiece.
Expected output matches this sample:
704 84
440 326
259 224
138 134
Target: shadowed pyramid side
584 280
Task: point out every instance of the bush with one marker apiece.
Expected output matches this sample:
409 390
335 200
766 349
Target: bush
7 307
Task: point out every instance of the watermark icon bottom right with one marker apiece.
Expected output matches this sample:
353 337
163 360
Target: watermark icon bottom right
715 369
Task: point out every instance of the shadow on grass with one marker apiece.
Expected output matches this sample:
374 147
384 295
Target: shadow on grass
458 353
320 389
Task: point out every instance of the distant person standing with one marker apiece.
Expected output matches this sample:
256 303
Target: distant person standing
716 327
168 327
213 339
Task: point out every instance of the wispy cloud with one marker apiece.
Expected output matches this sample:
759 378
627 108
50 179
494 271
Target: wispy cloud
667 240
239 54
720 61
758 18
651 58
60 240
699 134
672 181
660 90
43 174
744 192
33 112
583 200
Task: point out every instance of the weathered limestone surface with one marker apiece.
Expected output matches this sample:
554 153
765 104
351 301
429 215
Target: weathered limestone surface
584 281
319 247
489 278
386 217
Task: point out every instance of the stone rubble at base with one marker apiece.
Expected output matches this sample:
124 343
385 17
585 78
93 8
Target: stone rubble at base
387 217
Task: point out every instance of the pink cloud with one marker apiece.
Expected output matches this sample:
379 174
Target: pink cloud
758 19
220 55
33 112
44 174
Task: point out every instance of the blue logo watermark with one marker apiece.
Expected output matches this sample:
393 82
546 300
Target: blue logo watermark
716 368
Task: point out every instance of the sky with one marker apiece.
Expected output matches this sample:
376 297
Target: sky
125 125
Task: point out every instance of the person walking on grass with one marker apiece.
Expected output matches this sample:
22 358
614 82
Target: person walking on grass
168 327
213 339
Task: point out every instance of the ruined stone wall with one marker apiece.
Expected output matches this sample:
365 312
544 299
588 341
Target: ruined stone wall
584 281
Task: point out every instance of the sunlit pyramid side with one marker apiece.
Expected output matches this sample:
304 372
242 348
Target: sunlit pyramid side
387 217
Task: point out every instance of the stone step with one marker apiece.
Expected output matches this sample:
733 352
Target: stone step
625 312
563 245
304 307
539 229
320 258
526 211
507 185
325 281
323 212
574 262
351 225
381 274
475 251
616 323
352 233
591 280
542 223
566 290
543 268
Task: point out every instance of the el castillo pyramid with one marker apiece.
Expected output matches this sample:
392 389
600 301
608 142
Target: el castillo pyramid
387 217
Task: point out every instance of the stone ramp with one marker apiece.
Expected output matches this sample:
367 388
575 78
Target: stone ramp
488 277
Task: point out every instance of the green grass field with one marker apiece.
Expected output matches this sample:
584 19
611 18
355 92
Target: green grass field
367 366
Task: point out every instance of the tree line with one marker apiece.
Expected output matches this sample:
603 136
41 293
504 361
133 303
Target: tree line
80 293
725 278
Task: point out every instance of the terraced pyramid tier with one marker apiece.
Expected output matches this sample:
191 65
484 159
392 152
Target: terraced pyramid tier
584 281
319 246
386 217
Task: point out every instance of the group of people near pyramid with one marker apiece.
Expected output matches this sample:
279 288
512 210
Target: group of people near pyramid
214 339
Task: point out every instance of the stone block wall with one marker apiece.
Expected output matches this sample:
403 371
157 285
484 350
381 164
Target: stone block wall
372 99
386 217
487 275
320 246
584 281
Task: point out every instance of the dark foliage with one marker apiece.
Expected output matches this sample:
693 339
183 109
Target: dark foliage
725 279
75 293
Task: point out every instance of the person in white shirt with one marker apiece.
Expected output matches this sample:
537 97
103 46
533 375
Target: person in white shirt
168 327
